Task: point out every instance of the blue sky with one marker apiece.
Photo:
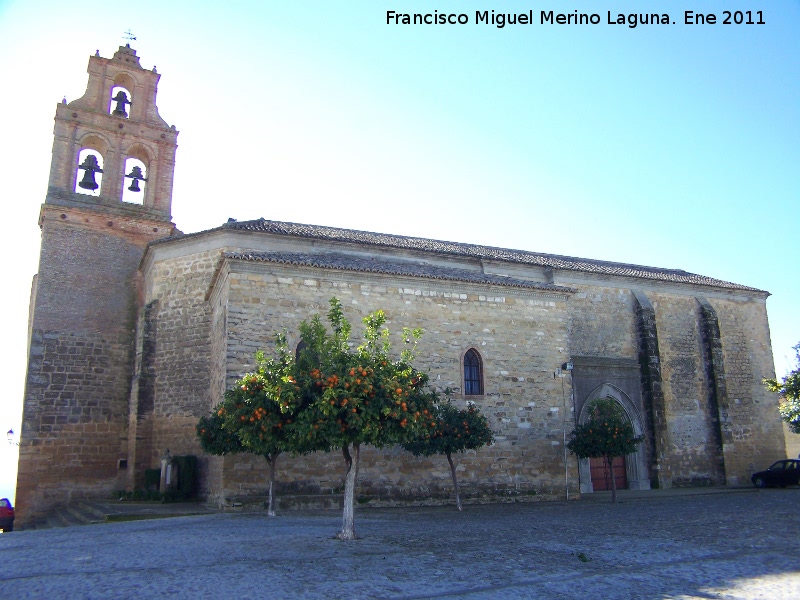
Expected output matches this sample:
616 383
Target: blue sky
672 146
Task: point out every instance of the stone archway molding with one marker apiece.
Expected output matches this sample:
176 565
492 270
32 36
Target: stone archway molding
635 464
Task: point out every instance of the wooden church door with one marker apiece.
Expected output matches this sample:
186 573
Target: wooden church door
599 473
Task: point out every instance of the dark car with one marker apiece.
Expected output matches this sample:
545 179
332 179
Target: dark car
6 515
782 473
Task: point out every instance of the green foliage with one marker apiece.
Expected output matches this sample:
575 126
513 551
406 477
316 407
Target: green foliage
353 396
456 430
333 396
606 433
214 439
256 411
152 479
789 390
453 430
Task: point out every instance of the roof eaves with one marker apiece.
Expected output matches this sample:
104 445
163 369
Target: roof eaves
342 262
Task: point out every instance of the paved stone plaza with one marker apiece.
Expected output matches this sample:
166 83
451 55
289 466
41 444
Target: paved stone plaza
677 544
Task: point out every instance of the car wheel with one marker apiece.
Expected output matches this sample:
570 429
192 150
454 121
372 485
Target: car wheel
759 482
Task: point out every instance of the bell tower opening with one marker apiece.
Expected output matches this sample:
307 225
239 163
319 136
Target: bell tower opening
121 94
135 184
89 175
120 98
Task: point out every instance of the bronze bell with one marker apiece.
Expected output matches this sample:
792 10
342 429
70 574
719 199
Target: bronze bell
90 167
136 175
121 99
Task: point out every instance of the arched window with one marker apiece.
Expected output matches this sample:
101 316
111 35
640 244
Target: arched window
473 373
300 346
90 172
135 181
120 99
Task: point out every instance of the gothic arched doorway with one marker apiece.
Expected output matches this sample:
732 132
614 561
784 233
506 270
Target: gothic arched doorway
630 471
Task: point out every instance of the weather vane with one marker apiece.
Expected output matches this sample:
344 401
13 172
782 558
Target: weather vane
128 35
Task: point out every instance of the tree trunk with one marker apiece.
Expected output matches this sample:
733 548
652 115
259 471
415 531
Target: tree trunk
271 461
455 480
348 518
609 462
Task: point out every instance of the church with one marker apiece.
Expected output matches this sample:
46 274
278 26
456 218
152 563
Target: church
136 329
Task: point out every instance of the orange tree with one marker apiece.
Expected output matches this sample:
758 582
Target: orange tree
456 430
606 434
214 439
256 414
788 390
351 397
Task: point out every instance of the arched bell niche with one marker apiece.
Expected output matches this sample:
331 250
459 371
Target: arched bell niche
119 102
135 182
89 170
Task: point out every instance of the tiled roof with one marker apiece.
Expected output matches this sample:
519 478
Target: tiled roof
347 262
553 261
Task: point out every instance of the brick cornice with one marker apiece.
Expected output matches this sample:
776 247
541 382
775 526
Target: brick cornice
64 199
137 228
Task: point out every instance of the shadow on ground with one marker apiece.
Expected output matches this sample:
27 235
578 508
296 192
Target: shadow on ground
739 544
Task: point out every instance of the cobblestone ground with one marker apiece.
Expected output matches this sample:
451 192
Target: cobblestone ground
742 544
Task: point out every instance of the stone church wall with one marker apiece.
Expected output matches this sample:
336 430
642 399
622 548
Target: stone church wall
212 468
691 455
602 320
75 418
182 350
212 320
717 424
202 318
213 314
80 360
522 338
752 435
